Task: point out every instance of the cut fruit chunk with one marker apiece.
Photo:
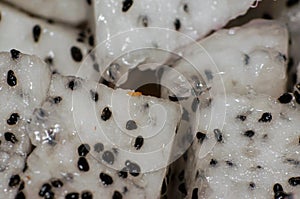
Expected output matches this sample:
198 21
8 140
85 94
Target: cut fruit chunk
56 44
96 139
24 83
67 11
257 148
251 58
127 25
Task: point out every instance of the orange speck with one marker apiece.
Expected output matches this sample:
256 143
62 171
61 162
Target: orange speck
134 94
28 177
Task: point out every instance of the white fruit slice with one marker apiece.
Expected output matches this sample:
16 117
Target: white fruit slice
127 25
24 83
257 148
68 11
251 58
124 132
54 43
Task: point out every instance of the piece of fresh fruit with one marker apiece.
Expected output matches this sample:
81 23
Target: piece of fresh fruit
90 138
67 11
236 60
63 48
24 83
288 12
127 26
255 149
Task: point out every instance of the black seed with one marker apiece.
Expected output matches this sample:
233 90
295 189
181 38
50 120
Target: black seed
82 34
57 183
182 189
267 16
185 8
291 3
259 167
117 195
139 141
185 115
266 117
195 193
249 133
20 195
36 31
229 163
106 114
108 157
83 164
98 147
10 137
72 195
208 74
76 54
49 195
80 40
96 67
177 24
277 188
126 5
14 180
56 100
246 59
241 117
50 21
83 149
125 190
22 186
15 54
292 161
252 185
195 104
213 162
218 135
144 21
11 78
294 181
282 57
91 40
133 168
106 179
86 195
123 173
49 61
285 98
72 84
181 176
297 97
131 125
44 189
200 136
13 119
163 188
94 95
89 2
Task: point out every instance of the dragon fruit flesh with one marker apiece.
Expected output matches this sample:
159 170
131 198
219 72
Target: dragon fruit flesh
35 36
255 155
56 10
24 83
87 141
136 25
